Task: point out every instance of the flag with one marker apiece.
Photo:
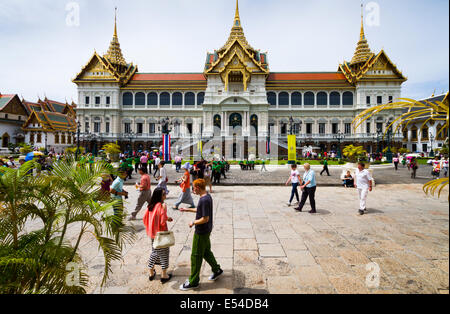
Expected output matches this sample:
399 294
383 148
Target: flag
166 147
292 148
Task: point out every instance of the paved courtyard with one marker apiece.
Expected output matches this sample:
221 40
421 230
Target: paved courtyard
266 247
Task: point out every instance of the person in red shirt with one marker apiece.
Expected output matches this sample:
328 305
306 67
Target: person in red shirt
185 185
145 192
155 220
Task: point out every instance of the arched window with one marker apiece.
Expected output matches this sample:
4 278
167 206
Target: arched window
283 99
296 99
335 99
272 98
322 99
254 125
139 99
200 98
152 99
164 99
177 99
128 99
217 124
189 99
348 99
309 99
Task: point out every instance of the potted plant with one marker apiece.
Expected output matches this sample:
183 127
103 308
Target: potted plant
354 153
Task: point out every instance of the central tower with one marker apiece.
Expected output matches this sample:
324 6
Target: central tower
236 77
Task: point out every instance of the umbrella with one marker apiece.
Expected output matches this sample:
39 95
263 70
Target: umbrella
31 155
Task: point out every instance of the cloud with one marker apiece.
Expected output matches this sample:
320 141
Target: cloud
41 54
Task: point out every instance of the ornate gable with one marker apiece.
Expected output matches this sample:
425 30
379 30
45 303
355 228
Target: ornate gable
236 60
112 67
368 66
380 67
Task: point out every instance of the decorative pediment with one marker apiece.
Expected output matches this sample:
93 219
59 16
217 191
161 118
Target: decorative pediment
97 69
236 61
380 67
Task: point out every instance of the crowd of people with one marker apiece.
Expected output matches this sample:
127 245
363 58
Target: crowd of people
195 179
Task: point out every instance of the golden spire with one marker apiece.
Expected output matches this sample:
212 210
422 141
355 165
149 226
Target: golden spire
237 32
363 52
114 54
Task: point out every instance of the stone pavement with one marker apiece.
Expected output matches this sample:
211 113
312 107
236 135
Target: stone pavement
266 247
277 175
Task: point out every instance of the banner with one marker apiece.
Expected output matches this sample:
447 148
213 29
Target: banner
200 147
268 146
166 147
292 148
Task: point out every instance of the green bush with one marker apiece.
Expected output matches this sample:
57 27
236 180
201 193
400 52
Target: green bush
341 162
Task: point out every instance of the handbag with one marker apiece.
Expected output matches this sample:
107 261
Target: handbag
164 239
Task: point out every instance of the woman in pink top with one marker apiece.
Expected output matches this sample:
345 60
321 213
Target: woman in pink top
155 220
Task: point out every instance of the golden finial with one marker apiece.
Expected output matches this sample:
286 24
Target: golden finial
237 32
114 54
115 22
362 36
363 52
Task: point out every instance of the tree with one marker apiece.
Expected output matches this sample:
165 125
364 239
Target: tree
428 111
25 148
353 153
113 150
42 259
72 150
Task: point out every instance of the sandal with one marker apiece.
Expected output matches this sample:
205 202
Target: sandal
164 280
151 278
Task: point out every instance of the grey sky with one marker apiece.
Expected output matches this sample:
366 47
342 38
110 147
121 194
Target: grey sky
40 53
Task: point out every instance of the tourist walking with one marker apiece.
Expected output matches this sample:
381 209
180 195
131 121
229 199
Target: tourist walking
162 178
156 165
137 162
185 185
263 165
201 244
208 175
309 189
325 167
177 163
396 161
117 192
216 171
363 182
294 179
105 187
145 192
444 167
144 162
413 165
155 220
436 168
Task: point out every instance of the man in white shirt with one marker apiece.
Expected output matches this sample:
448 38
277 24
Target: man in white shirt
157 162
162 183
363 182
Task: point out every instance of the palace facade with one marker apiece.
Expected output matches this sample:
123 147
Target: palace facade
236 97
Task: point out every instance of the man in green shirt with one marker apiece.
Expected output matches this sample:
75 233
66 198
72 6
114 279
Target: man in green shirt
137 162
129 167
325 167
216 171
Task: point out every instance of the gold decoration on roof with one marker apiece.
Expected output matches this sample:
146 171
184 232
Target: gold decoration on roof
237 33
363 52
114 54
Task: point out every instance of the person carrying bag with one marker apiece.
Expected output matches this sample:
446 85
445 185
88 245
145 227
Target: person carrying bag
155 221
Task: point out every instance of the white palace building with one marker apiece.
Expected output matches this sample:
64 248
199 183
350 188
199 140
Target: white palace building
235 98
